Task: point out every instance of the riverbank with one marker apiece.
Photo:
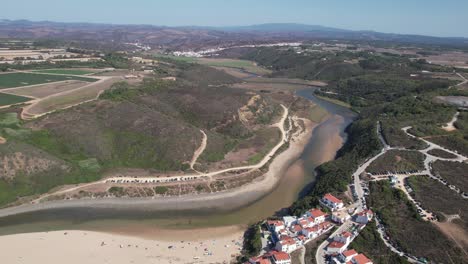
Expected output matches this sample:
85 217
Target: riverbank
175 219
77 247
149 243
221 201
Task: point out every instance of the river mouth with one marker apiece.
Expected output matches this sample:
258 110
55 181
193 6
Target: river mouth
326 139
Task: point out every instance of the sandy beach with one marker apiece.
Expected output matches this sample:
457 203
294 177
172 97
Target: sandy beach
78 247
149 245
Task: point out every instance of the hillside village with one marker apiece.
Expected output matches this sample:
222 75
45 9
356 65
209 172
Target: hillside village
290 233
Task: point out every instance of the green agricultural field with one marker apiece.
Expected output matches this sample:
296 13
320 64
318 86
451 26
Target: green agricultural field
65 71
19 79
246 65
9 99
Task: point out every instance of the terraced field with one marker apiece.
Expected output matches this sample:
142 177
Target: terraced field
66 71
18 79
234 63
9 99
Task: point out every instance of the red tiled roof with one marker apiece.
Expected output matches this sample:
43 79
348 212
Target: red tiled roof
316 213
361 259
313 229
366 212
275 222
281 255
324 225
336 244
346 234
297 228
349 253
332 198
261 260
287 240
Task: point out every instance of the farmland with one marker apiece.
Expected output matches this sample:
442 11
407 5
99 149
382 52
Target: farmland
246 65
69 98
18 79
9 99
44 90
66 71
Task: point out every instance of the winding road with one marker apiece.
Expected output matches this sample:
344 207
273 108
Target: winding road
320 253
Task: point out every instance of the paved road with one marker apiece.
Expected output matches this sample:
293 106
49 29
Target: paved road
320 253
302 255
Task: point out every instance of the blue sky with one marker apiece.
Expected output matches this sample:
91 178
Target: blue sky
426 17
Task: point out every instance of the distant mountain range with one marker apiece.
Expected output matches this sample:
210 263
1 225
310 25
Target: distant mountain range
193 37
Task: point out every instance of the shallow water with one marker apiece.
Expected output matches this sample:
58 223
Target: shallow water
326 139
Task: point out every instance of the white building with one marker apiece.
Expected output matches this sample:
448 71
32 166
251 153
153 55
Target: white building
351 257
364 217
336 247
316 216
275 225
361 259
340 216
347 255
344 237
289 220
286 244
311 232
331 202
281 258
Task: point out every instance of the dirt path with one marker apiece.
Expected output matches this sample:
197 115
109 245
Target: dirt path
200 150
26 115
449 126
186 177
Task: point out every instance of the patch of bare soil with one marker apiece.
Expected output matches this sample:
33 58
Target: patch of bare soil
10 165
451 58
2 140
42 91
235 72
241 155
70 98
455 232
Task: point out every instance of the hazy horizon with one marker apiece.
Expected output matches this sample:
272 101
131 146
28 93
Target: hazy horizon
431 18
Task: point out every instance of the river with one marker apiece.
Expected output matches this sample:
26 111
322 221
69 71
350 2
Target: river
326 139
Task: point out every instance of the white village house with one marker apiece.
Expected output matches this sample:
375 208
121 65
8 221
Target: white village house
286 244
331 202
351 257
364 217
